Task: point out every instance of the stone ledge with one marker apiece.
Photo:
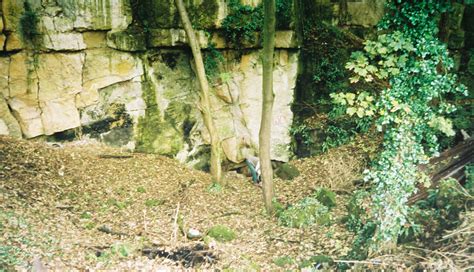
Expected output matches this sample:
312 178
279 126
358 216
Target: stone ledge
134 40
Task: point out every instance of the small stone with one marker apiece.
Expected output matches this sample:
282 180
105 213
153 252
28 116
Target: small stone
194 234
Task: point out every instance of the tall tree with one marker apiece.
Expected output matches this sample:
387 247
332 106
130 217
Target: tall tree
267 103
205 104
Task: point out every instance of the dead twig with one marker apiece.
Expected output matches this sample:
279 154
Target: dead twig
174 236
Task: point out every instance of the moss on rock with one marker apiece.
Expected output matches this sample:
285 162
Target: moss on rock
154 134
287 172
221 233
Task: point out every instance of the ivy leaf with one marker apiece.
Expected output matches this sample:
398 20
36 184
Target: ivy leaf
371 68
351 111
382 50
350 66
354 79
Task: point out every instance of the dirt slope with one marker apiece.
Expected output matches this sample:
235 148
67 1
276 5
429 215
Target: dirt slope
91 207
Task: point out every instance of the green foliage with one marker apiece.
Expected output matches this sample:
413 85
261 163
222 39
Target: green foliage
116 203
287 172
14 230
324 53
214 188
439 211
141 189
221 233
283 261
116 250
284 16
242 23
326 197
307 212
316 262
29 24
86 215
413 67
302 131
153 202
212 60
357 211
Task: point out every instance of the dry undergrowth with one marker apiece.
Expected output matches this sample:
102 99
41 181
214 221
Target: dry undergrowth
88 207
55 204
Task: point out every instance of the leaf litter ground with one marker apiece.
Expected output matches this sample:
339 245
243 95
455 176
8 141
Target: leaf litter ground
83 206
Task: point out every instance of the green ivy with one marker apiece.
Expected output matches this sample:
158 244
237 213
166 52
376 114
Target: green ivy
413 69
242 24
29 25
213 58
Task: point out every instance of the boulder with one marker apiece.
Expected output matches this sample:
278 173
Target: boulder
105 67
22 96
8 124
58 90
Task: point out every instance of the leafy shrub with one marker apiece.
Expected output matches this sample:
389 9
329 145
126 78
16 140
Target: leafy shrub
242 23
439 211
212 60
307 212
283 261
404 61
326 197
284 9
221 233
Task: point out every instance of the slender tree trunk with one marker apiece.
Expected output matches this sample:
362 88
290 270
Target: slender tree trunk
205 107
267 103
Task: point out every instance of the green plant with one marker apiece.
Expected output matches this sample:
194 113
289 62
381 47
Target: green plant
306 212
214 187
326 197
221 233
153 202
429 217
302 131
212 60
283 261
284 9
29 24
412 67
242 23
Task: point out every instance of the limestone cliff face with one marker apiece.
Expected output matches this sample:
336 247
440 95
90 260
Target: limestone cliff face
120 71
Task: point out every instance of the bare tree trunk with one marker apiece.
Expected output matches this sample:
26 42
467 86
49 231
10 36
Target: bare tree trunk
267 103
205 107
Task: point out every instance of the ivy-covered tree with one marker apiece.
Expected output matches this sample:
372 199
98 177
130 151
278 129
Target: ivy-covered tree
414 68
